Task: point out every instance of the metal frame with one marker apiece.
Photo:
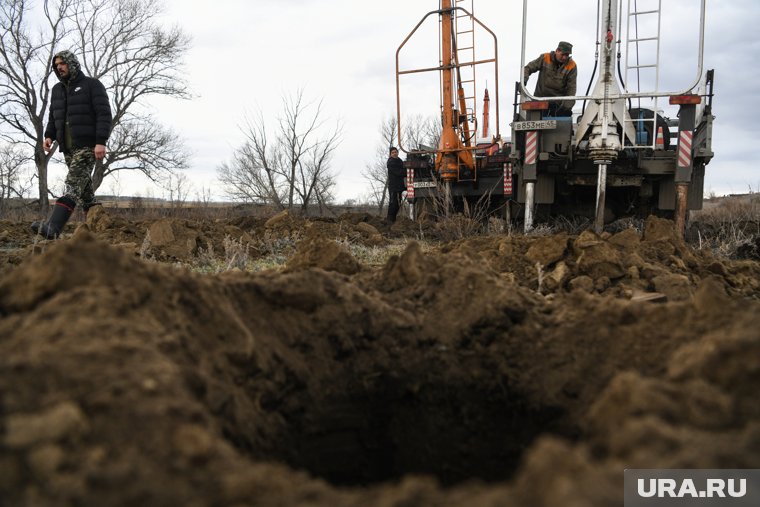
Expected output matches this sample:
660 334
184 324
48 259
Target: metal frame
400 72
700 66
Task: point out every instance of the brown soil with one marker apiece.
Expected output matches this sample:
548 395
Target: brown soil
496 370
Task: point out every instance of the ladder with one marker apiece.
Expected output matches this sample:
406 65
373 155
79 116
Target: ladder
642 54
464 32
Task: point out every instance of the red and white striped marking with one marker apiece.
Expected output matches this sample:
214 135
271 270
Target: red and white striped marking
684 148
531 147
409 184
507 179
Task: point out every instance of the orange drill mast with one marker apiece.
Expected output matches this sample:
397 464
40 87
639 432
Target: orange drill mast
454 157
452 152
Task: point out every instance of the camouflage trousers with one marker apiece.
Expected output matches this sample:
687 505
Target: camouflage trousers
79 179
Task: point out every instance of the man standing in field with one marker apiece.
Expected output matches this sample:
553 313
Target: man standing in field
557 75
396 186
80 122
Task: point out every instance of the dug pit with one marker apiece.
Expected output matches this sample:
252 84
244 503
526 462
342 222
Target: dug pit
392 426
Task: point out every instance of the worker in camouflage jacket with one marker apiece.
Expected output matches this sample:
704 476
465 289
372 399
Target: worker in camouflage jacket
557 75
80 122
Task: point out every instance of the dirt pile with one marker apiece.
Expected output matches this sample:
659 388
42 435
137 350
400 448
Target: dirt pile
655 264
462 377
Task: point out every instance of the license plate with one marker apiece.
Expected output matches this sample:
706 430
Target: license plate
535 125
424 184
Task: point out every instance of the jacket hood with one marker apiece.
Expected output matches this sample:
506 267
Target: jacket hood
69 59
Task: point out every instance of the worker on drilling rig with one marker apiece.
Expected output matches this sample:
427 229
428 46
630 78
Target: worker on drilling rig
557 74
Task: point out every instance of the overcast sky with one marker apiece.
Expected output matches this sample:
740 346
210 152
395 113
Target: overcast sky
247 54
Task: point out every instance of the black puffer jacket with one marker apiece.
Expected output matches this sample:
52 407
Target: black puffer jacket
396 174
85 101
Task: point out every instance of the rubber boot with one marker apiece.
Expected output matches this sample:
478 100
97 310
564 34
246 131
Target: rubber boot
62 210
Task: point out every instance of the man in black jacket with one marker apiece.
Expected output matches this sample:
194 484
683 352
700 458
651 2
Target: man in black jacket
80 122
396 185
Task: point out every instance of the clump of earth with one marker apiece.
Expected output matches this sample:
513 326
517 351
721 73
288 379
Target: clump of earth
494 370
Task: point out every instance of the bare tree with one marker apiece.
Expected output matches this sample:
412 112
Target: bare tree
421 132
12 162
323 190
178 187
135 59
25 71
203 196
139 143
313 180
117 42
253 173
292 170
418 133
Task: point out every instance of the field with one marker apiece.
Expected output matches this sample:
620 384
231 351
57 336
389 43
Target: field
341 362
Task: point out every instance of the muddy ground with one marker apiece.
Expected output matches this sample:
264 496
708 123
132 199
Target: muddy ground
494 370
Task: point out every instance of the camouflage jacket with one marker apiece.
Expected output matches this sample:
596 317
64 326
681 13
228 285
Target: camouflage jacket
554 78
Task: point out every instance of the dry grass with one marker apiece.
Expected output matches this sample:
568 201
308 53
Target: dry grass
729 227
377 256
458 218
236 254
272 252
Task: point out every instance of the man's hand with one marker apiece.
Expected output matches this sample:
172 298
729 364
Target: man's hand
100 151
47 145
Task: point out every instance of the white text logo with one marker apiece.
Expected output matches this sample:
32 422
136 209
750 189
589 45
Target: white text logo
716 488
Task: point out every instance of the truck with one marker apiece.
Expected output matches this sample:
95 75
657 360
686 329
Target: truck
620 155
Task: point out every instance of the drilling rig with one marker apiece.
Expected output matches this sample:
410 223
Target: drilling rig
620 155
617 145
460 168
